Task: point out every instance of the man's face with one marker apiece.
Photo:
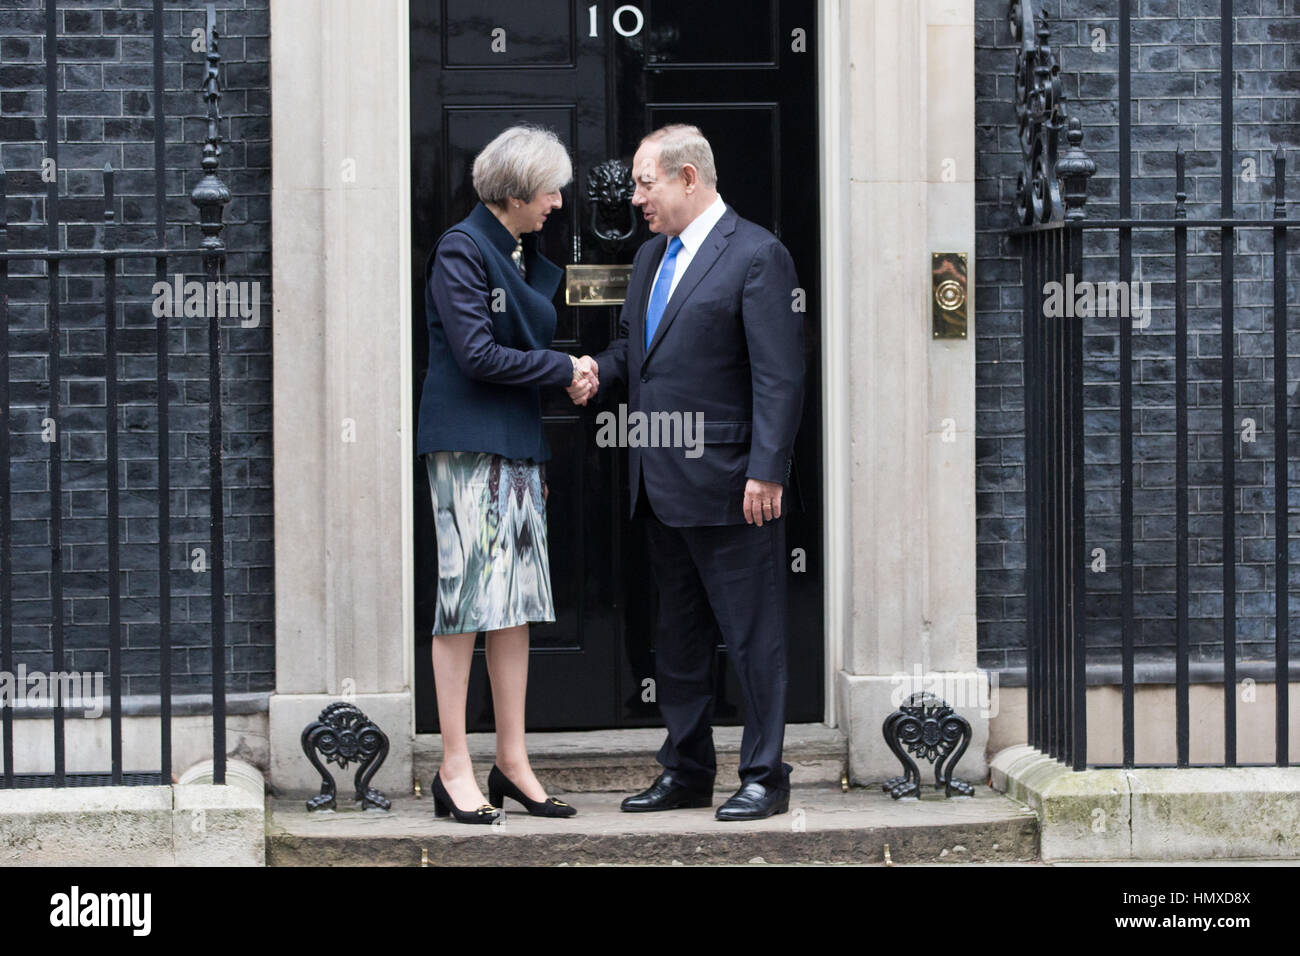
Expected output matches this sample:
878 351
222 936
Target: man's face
664 202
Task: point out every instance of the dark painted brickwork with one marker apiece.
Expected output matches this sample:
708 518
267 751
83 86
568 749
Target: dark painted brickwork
105 107
1175 97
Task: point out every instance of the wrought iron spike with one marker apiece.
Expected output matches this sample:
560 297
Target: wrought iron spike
1279 183
210 194
1180 183
109 214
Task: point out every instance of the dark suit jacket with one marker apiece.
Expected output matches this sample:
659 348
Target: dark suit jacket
729 345
489 332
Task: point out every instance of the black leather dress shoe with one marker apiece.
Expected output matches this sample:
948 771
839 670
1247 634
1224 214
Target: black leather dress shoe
754 801
667 794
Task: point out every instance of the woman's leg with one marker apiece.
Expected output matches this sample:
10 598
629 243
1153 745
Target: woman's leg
507 661
452 656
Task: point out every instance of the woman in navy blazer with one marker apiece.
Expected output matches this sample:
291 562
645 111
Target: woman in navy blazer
491 320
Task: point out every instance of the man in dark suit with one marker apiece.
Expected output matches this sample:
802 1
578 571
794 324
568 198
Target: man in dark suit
710 327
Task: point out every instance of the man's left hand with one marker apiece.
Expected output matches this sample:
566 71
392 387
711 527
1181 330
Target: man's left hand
762 501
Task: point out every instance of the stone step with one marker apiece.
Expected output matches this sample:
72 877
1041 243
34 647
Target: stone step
624 760
825 825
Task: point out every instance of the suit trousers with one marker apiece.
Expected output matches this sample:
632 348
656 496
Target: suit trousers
728 582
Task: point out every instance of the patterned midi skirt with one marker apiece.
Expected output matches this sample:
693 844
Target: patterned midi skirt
490 520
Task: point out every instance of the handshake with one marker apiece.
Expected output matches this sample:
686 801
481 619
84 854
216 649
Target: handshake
586 379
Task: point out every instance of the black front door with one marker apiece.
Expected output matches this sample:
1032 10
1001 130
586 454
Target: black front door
601 75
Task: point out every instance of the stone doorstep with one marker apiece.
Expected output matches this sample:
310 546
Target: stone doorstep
624 760
1150 813
824 825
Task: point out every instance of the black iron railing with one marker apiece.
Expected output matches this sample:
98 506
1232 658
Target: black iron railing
1050 233
210 196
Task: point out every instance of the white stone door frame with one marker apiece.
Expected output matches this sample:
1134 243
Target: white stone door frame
898 144
341 352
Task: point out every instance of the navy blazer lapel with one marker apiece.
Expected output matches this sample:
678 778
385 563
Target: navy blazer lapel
541 274
702 262
544 276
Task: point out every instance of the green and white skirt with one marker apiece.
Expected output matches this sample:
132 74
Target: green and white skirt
490 521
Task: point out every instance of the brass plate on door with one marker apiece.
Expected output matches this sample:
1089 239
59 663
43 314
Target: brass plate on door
949 302
596 285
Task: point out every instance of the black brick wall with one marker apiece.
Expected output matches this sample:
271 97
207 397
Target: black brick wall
105 105
1175 100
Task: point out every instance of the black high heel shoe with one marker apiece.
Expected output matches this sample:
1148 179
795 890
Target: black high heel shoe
444 805
500 787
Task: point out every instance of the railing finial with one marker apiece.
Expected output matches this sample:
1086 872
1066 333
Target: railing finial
210 194
1279 183
1074 170
1180 183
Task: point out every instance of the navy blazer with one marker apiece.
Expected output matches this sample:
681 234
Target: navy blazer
489 337
729 345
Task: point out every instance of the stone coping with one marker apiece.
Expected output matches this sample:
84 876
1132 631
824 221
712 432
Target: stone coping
1154 813
178 825
149 705
1108 674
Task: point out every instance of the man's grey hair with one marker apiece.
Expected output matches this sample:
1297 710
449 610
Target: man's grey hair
519 162
679 144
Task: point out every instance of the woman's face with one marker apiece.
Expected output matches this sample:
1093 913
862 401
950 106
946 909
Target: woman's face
531 216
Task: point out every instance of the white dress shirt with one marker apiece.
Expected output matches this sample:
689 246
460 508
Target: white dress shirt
692 236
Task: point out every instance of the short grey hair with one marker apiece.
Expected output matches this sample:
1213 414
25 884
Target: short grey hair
679 144
519 162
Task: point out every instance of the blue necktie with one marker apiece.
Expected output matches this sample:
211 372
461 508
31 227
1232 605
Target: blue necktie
659 298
